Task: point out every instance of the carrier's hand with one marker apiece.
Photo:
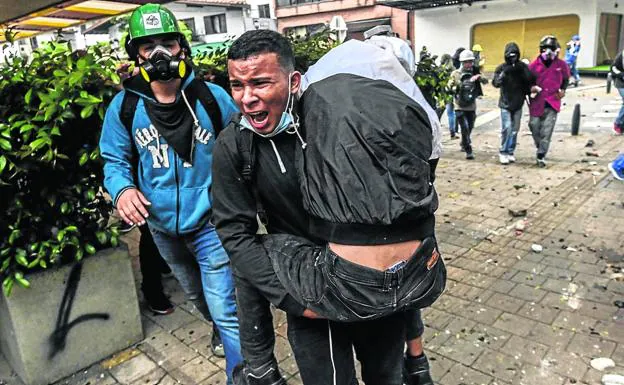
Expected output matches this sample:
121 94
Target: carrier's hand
474 78
536 89
560 94
310 314
131 206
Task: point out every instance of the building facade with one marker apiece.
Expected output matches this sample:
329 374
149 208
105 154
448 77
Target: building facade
304 16
494 23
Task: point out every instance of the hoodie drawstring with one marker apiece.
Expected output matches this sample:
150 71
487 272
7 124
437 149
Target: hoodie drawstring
279 158
195 123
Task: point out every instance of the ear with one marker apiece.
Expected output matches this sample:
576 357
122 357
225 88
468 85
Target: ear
295 82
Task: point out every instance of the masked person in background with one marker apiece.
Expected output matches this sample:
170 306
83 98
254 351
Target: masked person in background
514 80
552 76
479 61
157 144
573 47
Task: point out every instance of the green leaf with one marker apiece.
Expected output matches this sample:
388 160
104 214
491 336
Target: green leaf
81 63
79 254
28 96
3 162
19 277
87 111
60 235
89 249
7 285
5 144
101 237
14 235
83 158
43 264
65 208
115 78
71 229
91 194
59 73
38 143
114 242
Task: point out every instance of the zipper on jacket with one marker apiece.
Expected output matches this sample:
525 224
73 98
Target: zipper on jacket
175 161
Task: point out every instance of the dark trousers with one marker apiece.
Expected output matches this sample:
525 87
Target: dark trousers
466 121
343 291
323 349
152 263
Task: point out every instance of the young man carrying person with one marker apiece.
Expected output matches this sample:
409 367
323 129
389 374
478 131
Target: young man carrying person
551 80
514 80
263 84
157 144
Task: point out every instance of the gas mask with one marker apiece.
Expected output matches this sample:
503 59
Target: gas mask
548 53
163 65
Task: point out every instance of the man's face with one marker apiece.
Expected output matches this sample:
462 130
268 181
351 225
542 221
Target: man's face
168 42
467 64
260 89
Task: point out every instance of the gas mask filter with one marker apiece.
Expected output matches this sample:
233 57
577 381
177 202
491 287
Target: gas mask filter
163 65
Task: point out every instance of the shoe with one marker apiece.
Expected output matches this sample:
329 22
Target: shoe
125 227
216 345
267 374
416 371
541 163
617 174
617 129
503 158
159 303
511 158
469 156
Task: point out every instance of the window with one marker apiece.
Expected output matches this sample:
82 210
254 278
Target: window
215 24
264 11
286 3
610 37
190 23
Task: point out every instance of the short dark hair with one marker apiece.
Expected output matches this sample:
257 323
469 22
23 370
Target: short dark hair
257 42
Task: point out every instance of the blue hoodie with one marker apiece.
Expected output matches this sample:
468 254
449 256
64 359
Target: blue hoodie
178 192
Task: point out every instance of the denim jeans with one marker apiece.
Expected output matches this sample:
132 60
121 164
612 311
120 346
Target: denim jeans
620 118
510 125
574 71
542 128
450 112
340 290
208 286
466 121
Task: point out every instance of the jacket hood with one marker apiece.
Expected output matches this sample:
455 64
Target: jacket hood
511 49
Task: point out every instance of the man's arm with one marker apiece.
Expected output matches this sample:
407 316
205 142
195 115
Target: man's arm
234 216
499 74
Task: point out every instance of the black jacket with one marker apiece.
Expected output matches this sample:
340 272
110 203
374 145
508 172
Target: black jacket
234 208
514 80
618 64
365 176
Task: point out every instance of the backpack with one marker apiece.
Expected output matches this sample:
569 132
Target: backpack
467 92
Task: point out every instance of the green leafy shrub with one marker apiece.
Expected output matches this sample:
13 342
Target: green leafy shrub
51 111
433 80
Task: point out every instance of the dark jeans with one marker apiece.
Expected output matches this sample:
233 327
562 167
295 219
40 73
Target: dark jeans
344 291
323 349
152 263
466 121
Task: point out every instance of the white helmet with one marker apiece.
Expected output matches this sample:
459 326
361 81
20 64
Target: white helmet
383 37
466 55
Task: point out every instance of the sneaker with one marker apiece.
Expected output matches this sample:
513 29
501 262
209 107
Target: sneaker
267 374
617 174
503 158
617 129
159 303
469 156
125 227
541 163
416 371
511 158
216 345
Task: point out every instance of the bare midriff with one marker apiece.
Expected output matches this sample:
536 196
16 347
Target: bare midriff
378 257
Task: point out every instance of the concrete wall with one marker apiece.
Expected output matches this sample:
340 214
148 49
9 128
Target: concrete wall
445 29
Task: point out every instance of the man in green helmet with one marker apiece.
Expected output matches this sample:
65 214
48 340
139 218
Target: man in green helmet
157 142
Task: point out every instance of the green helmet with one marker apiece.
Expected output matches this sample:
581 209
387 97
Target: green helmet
151 19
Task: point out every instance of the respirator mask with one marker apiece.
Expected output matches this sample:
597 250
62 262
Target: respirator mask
162 65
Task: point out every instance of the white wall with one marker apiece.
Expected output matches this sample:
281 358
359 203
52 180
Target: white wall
443 30
234 19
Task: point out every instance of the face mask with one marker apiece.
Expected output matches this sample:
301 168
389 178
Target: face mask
286 121
549 54
162 65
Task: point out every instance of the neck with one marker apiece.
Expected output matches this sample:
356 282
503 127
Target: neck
165 92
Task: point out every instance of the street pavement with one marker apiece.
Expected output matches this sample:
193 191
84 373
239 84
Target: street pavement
509 315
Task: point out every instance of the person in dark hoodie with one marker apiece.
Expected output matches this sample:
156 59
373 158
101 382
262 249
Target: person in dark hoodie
514 80
156 143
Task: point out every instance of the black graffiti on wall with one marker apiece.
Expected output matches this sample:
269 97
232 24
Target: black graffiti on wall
58 338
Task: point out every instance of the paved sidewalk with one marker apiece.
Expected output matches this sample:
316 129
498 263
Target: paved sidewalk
509 315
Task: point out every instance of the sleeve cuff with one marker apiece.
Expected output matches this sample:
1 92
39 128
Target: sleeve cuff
121 192
291 306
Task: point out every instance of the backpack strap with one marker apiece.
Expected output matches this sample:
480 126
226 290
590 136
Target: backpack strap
200 89
126 115
247 151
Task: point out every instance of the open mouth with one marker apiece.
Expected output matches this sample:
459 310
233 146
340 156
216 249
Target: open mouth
258 119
